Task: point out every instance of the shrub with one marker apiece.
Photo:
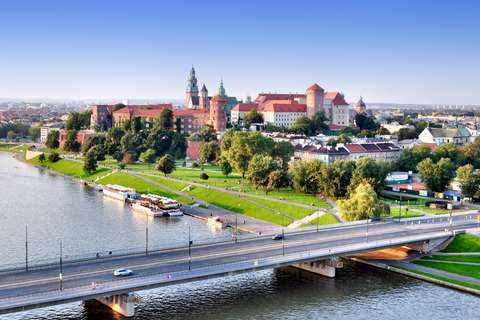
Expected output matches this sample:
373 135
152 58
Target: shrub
195 164
53 157
122 165
204 176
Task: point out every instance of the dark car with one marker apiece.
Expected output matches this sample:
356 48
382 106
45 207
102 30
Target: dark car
277 237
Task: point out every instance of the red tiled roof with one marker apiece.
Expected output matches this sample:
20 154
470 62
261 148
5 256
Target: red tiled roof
354 147
336 98
284 106
264 97
315 87
245 106
219 98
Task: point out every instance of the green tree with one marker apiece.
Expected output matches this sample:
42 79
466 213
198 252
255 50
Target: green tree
279 179
259 170
11 135
115 135
118 155
448 150
127 125
363 204
90 163
53 157
34 132
253 116
136 124
469 153
366 123
99 152
283 152
166 164
208 151
373 171
237 155
225 166
469 180
118 106
103 126
436 176
74 122
335 178
41 158
71 144
299 176
383 131
208 133
148 156
164 119
319 121
332 142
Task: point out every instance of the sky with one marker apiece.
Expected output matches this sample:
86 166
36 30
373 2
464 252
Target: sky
403 51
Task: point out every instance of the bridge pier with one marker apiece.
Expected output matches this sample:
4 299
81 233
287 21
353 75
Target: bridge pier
323 267
121 303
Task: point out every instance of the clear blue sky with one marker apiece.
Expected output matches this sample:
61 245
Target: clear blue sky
387 51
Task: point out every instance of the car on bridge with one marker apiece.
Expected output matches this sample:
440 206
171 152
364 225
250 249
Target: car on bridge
122 272
277 237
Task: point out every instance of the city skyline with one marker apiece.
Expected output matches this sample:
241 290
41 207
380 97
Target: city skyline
393 52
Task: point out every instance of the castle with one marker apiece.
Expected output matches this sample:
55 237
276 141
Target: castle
285 109
200 109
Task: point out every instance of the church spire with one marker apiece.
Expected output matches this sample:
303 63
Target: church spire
221 90
474 123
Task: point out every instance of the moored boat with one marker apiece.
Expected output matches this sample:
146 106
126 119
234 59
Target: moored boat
155 205
147 207
119 192
217 222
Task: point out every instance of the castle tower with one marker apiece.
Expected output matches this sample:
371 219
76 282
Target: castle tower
315 100
221 90
203 101
218 113
192 87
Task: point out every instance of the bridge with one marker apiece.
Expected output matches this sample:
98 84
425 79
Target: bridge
42 286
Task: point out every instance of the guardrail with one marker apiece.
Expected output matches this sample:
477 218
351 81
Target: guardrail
291 255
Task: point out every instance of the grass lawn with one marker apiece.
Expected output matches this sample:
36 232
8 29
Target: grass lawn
288 209
460 283
71 168
405 200
167 182
236 204
127 180
8 145
326 218
216 168
59 151
463 243
215 178
395 212
287 195
462 269
456 258
435 211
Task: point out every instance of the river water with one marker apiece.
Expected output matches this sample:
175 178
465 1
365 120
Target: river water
53 206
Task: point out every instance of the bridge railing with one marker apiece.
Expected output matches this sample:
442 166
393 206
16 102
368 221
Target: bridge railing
200 269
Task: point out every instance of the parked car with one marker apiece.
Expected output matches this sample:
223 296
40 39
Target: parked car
478 210
277 237
122 272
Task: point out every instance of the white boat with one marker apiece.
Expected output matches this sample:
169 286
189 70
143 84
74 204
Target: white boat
119 192
155 205
147 207
217 222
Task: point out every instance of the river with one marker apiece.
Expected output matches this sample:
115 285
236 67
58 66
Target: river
52 206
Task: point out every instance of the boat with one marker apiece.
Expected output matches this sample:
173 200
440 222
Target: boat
147 207
217 222
155 205
119 192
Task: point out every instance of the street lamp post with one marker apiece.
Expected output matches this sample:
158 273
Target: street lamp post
26 248
400 216
283 237
61 267
146 234
236 224
189 248
451 207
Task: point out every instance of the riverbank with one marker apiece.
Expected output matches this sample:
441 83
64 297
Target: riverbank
409 263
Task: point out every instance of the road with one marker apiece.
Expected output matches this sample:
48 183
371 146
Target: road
250 247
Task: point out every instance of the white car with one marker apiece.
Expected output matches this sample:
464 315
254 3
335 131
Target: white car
122 272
